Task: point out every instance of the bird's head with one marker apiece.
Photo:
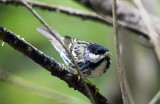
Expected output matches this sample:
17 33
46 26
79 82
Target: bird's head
97 52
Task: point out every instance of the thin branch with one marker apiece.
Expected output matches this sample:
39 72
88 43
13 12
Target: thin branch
154 37
84 15
62 9
127 14
39 90
118 55
70 55
155 98
49 64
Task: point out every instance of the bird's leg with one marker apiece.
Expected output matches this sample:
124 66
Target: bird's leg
76 73
87 81
79 77
93 85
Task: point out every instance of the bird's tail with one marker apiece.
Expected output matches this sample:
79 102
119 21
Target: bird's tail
53 40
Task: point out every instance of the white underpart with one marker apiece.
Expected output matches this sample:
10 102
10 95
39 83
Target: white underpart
99 70
95 58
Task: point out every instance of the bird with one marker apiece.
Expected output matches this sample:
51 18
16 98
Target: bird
93 59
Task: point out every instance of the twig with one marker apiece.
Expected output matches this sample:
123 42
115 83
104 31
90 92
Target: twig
84 15
155 98
62 9
39 90
70 55
154 37
49 64
118 55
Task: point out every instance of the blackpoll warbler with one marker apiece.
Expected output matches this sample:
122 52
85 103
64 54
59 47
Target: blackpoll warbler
93 59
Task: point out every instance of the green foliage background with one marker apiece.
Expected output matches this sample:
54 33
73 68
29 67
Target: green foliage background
20 21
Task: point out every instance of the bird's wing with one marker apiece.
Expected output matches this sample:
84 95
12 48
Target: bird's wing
76 47
53 40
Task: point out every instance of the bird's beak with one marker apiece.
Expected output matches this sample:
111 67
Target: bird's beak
107 54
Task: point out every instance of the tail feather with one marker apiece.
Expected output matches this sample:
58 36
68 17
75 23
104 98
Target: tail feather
53 40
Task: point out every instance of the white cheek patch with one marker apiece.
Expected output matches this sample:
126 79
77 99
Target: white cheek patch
95 58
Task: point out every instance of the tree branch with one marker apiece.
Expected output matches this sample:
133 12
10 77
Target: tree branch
90 95
85 15
155 98
118 55
62 9
49 64
154 37
128 16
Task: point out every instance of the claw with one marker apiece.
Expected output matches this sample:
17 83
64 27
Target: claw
78 76
93 85
96 90
89 82
75 73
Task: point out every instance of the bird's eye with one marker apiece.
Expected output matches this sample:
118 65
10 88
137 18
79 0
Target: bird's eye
100 52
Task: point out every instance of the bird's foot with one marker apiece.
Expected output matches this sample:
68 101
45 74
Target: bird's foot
79 77
76 73
93 85
89 82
